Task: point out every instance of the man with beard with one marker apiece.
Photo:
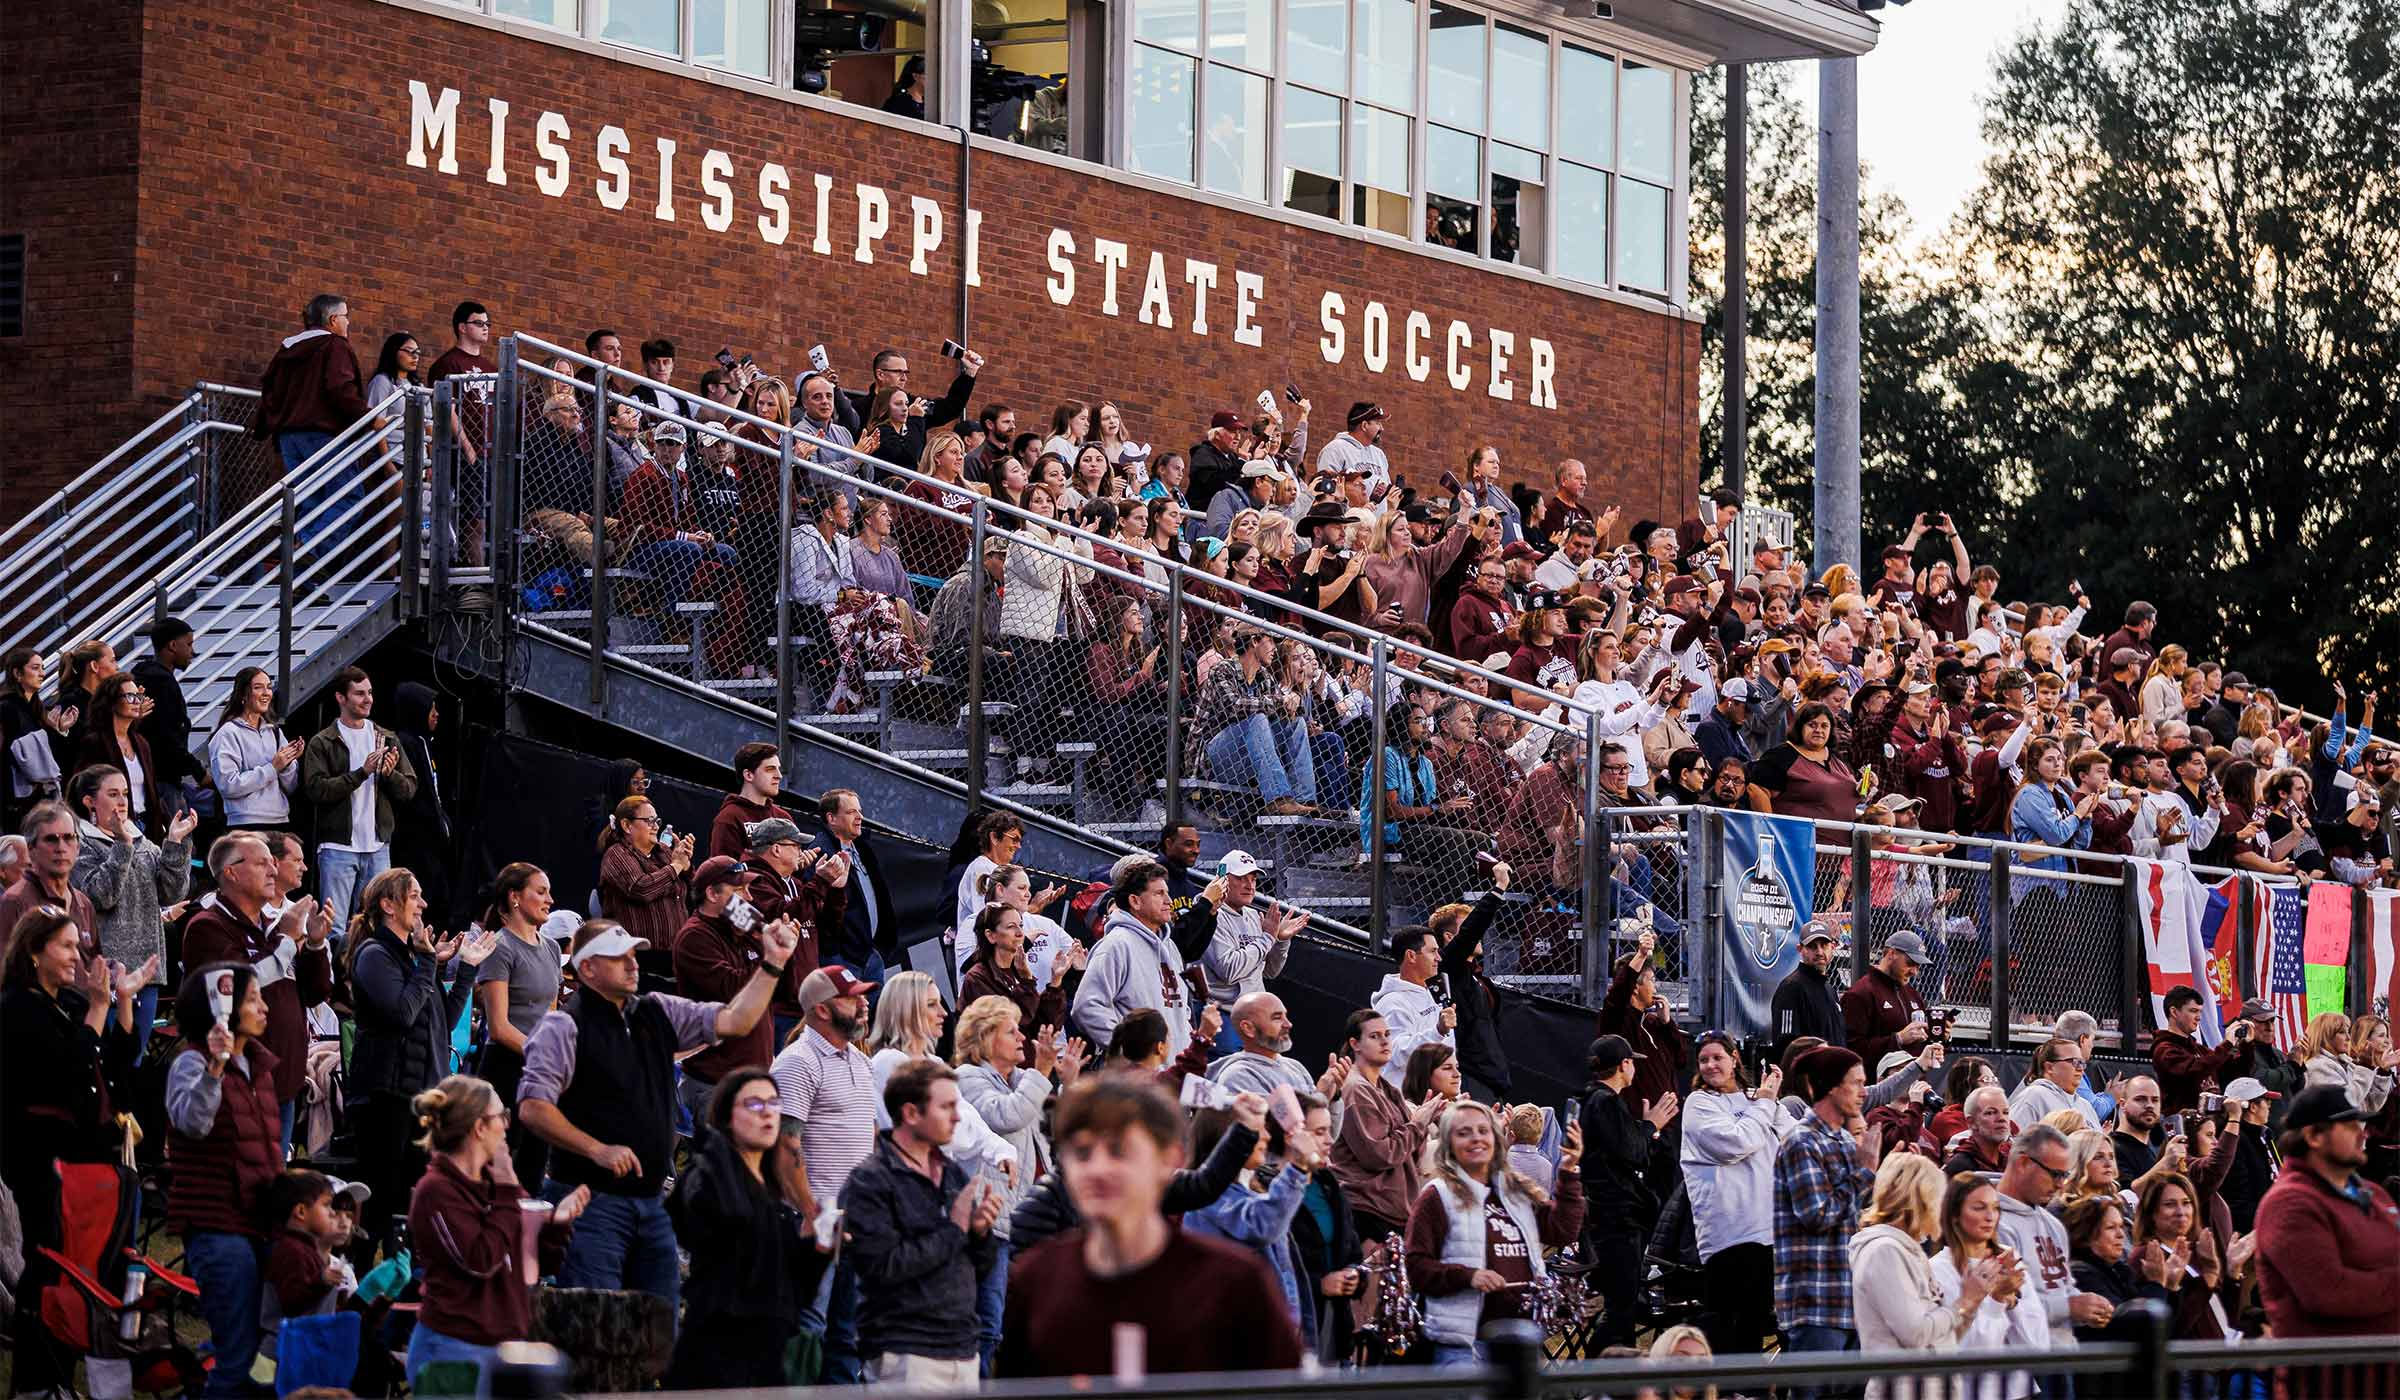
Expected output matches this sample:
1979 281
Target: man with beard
1805 1002
1881 1011
2328 1239
1265 1059
829 1098
2137 1137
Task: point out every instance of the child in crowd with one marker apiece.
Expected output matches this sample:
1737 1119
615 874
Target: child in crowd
302 1271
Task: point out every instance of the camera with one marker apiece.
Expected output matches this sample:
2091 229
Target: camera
818 360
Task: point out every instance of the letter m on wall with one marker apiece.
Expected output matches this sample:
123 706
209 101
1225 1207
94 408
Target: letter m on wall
432 123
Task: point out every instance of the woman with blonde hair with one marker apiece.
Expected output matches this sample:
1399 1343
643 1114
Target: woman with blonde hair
2162 685
2325 1051
1682 1342
930 542
908 1022
1477 1230
1004 1075
1897 1303
2371 1050
466 1220
1403 572
2092 1169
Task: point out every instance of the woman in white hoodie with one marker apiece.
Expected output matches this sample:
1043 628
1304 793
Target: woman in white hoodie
255 768
1970 1233
1730 1132
1897 1304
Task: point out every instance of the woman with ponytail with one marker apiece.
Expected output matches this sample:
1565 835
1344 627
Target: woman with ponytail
396 966
466 1228
515 987
999 967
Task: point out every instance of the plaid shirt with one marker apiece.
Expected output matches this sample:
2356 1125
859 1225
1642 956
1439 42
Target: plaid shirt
1819 1187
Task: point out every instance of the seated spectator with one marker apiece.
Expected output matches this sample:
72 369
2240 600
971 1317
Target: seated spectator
1251 730
1477 1231
661 522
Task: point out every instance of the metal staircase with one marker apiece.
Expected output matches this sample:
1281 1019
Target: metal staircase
297 575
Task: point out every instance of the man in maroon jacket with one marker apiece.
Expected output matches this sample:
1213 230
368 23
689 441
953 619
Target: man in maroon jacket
2184 1066
2328 1239
312 390
1881 1012
713 960
293 960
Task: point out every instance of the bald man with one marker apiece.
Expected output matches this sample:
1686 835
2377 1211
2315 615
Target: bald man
1264 1061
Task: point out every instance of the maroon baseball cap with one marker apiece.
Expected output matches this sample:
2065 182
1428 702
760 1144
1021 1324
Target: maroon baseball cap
1226 418
718 870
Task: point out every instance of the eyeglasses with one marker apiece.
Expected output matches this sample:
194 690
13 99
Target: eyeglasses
479 320
641 821
759 1105
500 1114
411 351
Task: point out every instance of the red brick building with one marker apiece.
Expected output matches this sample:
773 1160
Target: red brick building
185 176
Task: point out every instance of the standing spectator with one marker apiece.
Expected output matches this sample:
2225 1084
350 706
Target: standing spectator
1898 1305
1805 1002
758 773
396 369
396 966
223 1148
1477 1231
1881 1011
1823 1176
2105 1268
1481 1056
642 883
466 1220
1216 460
53 843
1622 1209
713 958
128 879
112 738
1001 965
2139 1136
63 1036
515 987
312 388
1004 1073
1356 450
2054 1304
1730 1134
470 419
1983 1145
2184 1066
743 1211
1136 964
858 941
1406 1001
421 823
795 882
354 773
1970 1230
599 1087
1633 1009
1252 942
827 1087
255 768
2328 1240
30 735
1129 1284
2327 1051
890 371
920 1239
1257 1211
168 725
1375 1154
291 960
1482 491
1403 573
2051 1084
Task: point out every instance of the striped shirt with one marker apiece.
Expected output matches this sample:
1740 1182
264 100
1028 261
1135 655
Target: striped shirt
829 1094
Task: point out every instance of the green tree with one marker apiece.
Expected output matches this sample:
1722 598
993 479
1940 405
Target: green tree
2189 241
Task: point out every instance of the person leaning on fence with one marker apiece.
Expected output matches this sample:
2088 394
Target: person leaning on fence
1882 1011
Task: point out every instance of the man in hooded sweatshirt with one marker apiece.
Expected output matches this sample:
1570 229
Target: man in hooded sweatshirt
421 836
1136 964
1406 1001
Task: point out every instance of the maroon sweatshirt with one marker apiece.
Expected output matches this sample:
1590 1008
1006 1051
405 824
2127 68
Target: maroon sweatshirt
312 384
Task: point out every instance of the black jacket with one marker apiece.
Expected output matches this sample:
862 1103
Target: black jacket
753 1256
2255 1167
1314 1255
1212 471
851 406
1616 1157
918 1273
855 944
1480 1054
54 1075
168 726
421 833
2119 1284
1047 1211
1806 1004
404 1016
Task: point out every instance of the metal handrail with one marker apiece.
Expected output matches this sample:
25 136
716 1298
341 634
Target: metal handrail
45 511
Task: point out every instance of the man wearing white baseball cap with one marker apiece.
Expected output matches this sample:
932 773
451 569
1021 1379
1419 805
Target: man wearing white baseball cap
599 1087
1251 943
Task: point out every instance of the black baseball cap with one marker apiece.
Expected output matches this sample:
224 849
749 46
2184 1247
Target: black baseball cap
2321 1104
1611 1051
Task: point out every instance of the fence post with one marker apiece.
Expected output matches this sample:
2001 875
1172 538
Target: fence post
600 620
158 601
1599 891
207 489
2137 964
1516 1349
1862 902
978 733
1706 827
2149 1375
1377 780
2002 858
1174 641
444 466
2362 992
500 536
412 503
283 598
784 661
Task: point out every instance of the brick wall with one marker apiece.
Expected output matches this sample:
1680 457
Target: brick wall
274 144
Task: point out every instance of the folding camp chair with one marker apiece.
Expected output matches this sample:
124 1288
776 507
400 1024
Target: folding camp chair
86 1307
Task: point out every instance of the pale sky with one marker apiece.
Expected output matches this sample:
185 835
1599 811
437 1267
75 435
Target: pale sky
1919 97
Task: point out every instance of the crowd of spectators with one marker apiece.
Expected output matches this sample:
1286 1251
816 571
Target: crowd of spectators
1091 1131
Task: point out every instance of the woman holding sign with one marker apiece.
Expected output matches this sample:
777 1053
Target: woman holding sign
224 1144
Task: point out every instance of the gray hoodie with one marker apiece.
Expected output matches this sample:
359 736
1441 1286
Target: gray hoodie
1132 968
2041 1242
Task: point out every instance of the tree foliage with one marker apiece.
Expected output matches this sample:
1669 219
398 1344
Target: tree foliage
2156 352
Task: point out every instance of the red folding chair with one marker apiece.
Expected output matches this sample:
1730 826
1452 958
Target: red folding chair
85 1308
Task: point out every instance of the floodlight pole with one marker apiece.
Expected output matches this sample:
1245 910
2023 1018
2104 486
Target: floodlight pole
1836 516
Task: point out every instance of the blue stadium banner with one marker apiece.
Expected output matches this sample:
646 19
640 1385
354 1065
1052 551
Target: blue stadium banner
1769 866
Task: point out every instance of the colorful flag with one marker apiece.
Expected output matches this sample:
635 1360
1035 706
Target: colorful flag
2326 949
2172 905
2383 951
2282 970
2220 935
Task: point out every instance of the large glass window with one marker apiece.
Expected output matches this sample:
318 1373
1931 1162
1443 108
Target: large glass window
1159 113
1582 223
1379 169
1453 189
1587 105
1386 68
1234 155
1517 209
1647 126
1243 32
1175 22
1454 67
1316 48
1312 153
732 34
1641 235
656 25
558 14
1520 87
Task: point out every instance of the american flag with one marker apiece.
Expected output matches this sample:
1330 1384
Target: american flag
2282 974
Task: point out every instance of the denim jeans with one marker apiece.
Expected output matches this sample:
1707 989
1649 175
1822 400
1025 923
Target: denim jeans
341 874
297 448
145 1015
426 1346
230 1271
1809 1337
1332 759
622 1242
1274 755
674 562
1451 1354
990 1297
833 1315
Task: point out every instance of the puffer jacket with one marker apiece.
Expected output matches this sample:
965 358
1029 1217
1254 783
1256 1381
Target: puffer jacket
404 1016
127 882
